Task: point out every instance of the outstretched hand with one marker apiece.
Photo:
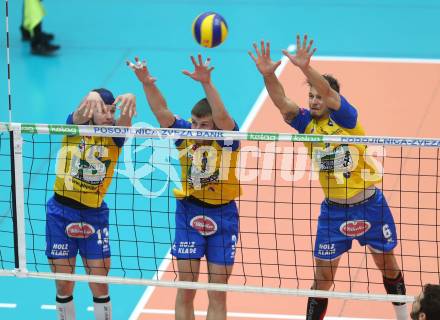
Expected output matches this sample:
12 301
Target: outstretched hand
263 61
141 71
303 54
90 103
202 71
127 104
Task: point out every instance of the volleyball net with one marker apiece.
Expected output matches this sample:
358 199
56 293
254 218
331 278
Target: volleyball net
278 207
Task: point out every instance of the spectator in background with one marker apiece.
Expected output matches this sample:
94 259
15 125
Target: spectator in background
31 29
427 303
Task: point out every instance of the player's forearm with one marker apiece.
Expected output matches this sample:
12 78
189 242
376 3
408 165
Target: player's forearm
154 97
317 81
278 96
219 114
158 105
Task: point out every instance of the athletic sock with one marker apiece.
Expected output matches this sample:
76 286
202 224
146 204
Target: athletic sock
65 308
102 308
397 286
316 308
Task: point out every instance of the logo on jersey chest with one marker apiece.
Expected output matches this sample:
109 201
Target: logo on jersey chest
79 230
334 159
204 225
355 228
202 170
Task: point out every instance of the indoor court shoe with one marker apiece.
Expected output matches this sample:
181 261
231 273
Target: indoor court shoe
44 48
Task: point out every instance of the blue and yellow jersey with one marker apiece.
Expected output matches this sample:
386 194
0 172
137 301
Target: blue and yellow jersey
85 167
208 170
344 170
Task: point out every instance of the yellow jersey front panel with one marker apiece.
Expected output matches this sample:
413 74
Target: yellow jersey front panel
208 170
85 167
344 170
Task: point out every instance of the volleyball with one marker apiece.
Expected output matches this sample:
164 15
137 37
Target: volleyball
209 29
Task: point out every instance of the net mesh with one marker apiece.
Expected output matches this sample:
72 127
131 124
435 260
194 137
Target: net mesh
279 208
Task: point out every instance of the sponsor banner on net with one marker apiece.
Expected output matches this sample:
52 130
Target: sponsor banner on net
63 129
259 136
28 128
158 132
392 141
306 138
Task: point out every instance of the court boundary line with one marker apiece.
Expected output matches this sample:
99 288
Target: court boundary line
150 289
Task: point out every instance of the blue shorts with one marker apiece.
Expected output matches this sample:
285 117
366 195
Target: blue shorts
69 230
210 232
370 223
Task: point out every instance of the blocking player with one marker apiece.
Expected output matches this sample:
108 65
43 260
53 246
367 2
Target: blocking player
77 215
206 213
353 208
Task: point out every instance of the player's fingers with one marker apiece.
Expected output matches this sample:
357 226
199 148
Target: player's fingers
186 72
130 106
309 45
263 50
277 64
286 53
132 110
210 69
117 102
313 52
90 110
252 56
256 49
82 106
101 106
268 48
83 110
131 65
208 61
199 56
124 108
193 60
304 45
298 42
136 59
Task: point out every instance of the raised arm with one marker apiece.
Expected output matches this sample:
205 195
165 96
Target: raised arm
289 109
154 97
202 74
301 59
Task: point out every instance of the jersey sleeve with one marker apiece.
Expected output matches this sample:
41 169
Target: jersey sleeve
180 123
69 119
346 116
301 120
234 144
